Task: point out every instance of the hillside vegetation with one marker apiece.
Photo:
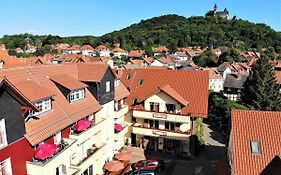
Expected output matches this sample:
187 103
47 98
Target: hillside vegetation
172 31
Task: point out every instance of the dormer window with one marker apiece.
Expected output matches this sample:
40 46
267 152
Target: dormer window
128 77
76 95
43 106
116 83
140 82
256 147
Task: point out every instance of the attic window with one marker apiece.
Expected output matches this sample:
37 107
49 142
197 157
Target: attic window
140 82
128 77
256 147
135 101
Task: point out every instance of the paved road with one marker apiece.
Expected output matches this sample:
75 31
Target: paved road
205 162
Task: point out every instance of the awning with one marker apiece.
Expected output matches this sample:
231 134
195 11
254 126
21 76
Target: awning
114 166
125 156
45 150
82 125
118 127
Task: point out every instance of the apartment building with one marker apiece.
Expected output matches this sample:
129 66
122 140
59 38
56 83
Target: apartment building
163 105
57 119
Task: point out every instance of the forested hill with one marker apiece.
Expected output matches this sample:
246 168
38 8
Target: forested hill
172 31
177 30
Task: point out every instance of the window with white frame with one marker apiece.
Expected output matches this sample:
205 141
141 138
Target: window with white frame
116 83
3 136
43 106
76 95
6 168
107 86
57 138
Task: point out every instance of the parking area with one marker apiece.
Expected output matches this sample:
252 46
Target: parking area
204 164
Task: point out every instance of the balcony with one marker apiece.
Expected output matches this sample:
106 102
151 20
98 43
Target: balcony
154 132
121 112
88 133
161 116
121 134
47 166
93 154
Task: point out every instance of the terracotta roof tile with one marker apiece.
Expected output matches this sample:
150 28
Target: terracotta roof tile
161 49
191 85
136 53
87 47
149 60
261 126
63 113
118 49
68 82
135 61
92 72
121 92
278 76
174 94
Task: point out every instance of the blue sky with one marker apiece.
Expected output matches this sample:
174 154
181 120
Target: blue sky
97 17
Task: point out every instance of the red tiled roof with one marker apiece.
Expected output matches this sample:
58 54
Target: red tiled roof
247 126
213 73
136 53
168 60
32 90
74 47
68 82
149 60
101 47
135 61
278 76
118 49
87 47
191 85
121 92
9 61
174 94
63 113
91 72
161 49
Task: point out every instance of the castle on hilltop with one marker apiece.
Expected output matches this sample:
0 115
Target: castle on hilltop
222 14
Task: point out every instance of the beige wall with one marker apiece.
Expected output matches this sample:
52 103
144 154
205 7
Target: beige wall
163 99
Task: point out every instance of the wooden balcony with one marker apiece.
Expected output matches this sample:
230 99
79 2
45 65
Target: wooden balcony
161 116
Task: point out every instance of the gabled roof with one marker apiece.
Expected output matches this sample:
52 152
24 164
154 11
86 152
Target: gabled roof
174 94
161 49
121 92
148 60
87 47
223 66
93 72
118 49
74 47
9 61
101 47
68 82
63 113
191 85
32 90
136 53
261 126
235 81
136 61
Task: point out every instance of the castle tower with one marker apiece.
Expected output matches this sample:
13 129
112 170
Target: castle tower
215 8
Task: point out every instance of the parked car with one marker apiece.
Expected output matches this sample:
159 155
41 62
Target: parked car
154 165
140 172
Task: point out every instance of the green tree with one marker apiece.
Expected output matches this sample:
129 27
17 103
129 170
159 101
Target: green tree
205 59
231 55
12 52
261 92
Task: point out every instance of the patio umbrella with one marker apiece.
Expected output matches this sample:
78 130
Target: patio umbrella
82 125
114 166
45 150
125 156
118 127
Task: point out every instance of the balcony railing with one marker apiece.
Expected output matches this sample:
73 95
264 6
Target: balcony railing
93 154
140 129
122 110
92 130
121 134
61 156
161 116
